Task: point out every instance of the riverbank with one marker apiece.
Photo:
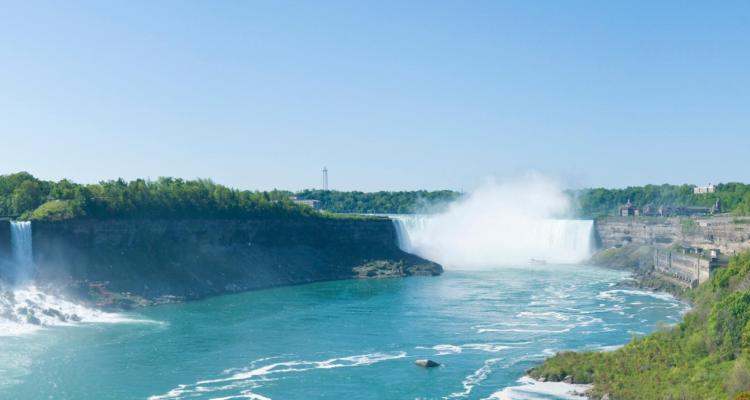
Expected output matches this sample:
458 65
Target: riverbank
639 261
484 327
703 357
127 263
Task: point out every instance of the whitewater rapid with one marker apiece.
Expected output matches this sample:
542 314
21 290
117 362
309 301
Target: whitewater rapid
25 307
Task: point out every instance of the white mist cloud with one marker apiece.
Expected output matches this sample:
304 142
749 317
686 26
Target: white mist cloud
501 224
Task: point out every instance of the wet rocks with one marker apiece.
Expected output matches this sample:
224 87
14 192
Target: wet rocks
427 363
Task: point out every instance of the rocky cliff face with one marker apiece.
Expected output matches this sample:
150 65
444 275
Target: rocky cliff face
728 234
4 239
135 262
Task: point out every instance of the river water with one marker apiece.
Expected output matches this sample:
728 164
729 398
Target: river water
341 340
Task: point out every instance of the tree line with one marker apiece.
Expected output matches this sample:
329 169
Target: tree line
22 195
383 202
598 202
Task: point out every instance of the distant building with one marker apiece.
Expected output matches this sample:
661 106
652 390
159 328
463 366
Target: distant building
308 202
629 210
704 189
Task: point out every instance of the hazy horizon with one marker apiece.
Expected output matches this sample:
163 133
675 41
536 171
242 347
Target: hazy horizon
468 189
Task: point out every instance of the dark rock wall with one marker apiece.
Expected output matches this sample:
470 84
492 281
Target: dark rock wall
4 239
197 258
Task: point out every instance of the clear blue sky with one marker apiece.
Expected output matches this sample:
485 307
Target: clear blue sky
387 94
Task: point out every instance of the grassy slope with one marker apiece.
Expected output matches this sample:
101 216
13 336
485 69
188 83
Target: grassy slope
707 356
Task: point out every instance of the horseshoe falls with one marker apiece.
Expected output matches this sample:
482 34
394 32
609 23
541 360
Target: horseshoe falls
488 318
486 244
500 224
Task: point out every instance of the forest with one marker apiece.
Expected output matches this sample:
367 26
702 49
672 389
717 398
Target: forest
383 202
26 197
599 202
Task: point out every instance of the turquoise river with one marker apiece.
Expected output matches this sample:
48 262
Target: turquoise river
355 339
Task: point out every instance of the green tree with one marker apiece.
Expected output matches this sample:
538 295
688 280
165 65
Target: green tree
26 197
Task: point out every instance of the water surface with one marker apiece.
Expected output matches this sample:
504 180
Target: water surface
341 340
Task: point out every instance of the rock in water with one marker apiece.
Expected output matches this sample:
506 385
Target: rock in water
427 363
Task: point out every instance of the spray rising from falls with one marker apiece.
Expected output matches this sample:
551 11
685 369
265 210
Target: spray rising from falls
508 224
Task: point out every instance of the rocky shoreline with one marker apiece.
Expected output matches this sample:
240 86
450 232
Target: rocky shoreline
123 264
638 260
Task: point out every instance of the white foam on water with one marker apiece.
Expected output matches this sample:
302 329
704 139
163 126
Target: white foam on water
476 378
244 395
447 349
27 309
540 323
543 315
253 377
12 328
488 347
444 349
530 389
519 330
610 294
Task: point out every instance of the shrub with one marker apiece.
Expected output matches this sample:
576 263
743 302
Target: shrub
56 211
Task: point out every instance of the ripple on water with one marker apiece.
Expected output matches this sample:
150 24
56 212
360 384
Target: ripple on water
481 327
255 375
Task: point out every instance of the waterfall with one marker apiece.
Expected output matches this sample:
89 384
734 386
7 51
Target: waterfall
483 242
20 239
24 307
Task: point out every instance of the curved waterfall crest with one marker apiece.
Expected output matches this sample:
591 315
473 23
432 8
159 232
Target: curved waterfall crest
500 224
561 241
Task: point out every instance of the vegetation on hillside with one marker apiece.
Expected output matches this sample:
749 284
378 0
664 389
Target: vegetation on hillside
404 202
598 202
707 356
590 203
23 195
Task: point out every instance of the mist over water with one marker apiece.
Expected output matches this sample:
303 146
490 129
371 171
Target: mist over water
27 308
500 224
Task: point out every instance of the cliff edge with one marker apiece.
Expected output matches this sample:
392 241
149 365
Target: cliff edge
129 263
